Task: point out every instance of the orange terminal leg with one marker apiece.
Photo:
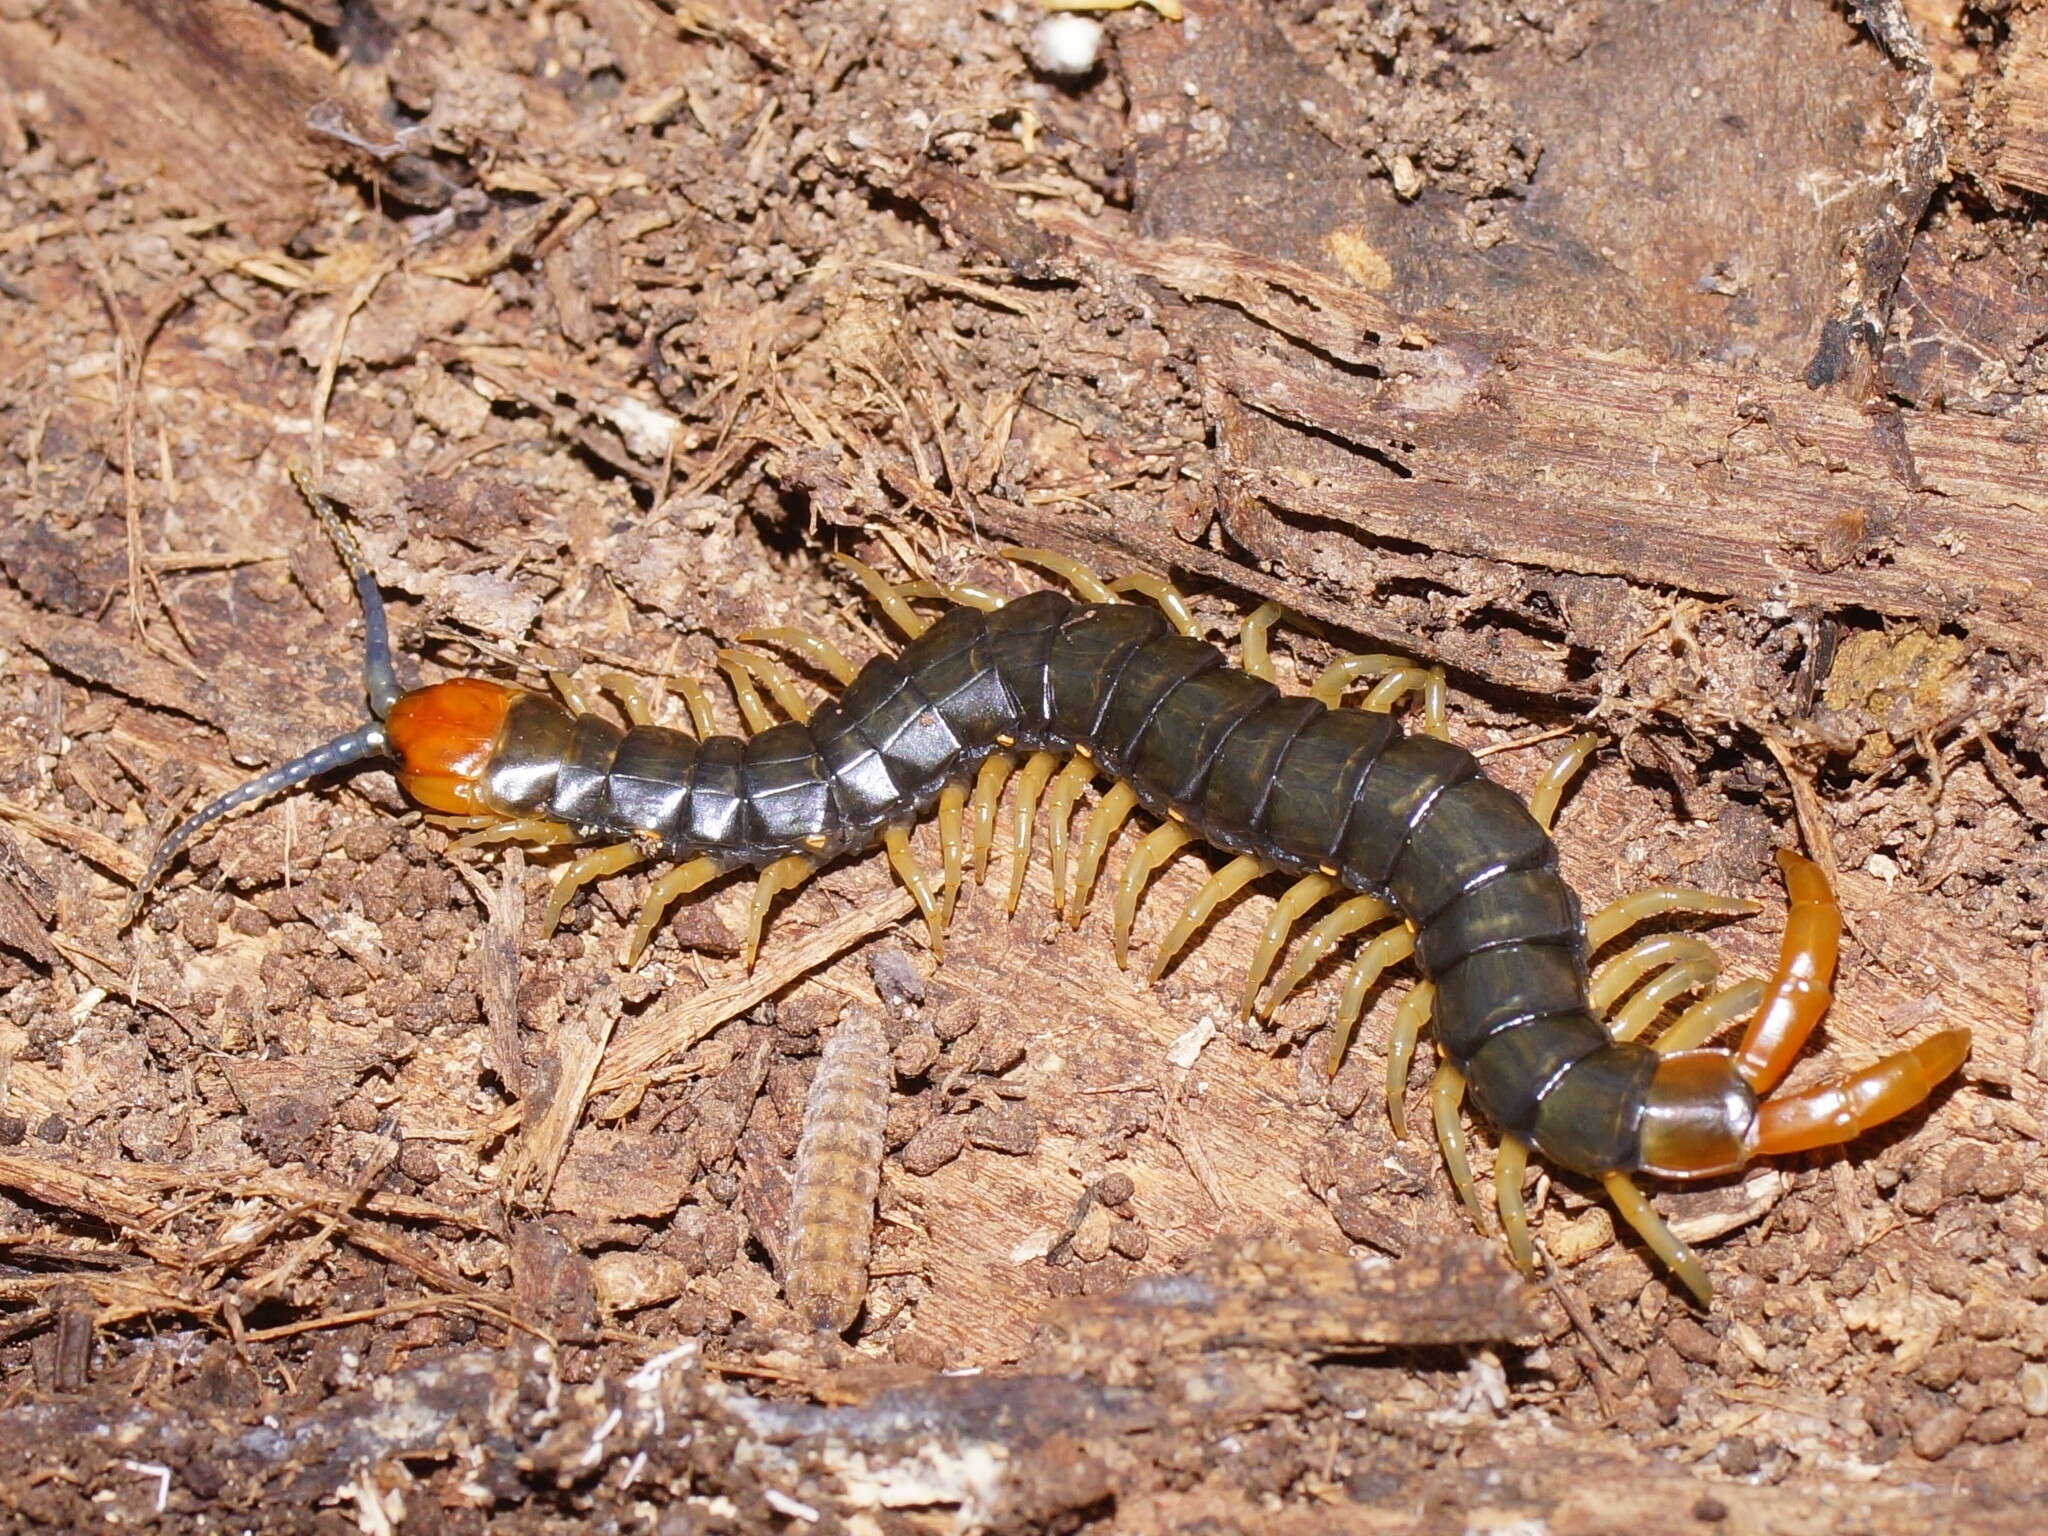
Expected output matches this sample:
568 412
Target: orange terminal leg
1799 993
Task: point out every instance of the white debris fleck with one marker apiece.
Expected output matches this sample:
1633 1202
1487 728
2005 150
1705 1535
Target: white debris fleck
796 1509
1066 45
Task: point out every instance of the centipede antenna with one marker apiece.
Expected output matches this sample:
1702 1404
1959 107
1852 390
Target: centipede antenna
380 675
366 742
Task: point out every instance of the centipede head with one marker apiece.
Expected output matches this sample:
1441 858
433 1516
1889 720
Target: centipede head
443 737
440 735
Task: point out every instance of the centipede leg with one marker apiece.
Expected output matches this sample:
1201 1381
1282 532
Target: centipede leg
1059 821
520 829
1637 1211
958 593
1614 977
1103 826
1625 912
1162 592
896 841
887 597
1030 785
572 693
772 675
785 874
1254 653
989 780
1299 897
1071 571
1549 791
1154 849
1510 1165
1389 948
581 870
1219 888
1359 912
1707 1017
1401 1037
698 702
952 848
1335 680
631 692
816 649
1446 1096
753 708
677 883
1642 1010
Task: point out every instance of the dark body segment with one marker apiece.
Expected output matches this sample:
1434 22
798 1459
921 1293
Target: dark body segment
1407 818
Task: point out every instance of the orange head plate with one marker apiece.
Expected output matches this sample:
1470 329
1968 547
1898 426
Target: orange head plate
443 738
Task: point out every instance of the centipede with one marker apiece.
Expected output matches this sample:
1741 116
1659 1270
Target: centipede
1415 853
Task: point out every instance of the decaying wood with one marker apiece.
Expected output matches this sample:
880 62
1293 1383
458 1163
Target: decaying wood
2020 104
207 95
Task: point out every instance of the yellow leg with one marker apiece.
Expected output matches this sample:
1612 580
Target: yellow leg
1637 1211
1109 817
887 598
1335 680
1059 821
952 848
702 722
989 780
1407 1029
1389 948
677 883
1549 791
1705 1018
631 692
957 593
1153 850
1510 1163
1162 592
818 651
1071 571
448 823
572 693
770 674
1359 912
753 708
1397 679
1616 976
581 870
1617 917
785 874
1299 897
521 829
1648 1005
1253 653
1224 884
1396 686
1446 1094
1030 785
896 841
1436 706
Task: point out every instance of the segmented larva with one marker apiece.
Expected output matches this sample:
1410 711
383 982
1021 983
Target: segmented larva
838 1174
1406 831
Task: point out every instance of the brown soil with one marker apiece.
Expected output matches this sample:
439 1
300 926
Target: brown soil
1672 369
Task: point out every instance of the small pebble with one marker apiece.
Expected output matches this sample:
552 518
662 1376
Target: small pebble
1940 1433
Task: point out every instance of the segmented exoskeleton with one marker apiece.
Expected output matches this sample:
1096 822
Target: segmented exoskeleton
1406 828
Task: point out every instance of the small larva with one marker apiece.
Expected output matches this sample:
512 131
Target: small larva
838 1172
